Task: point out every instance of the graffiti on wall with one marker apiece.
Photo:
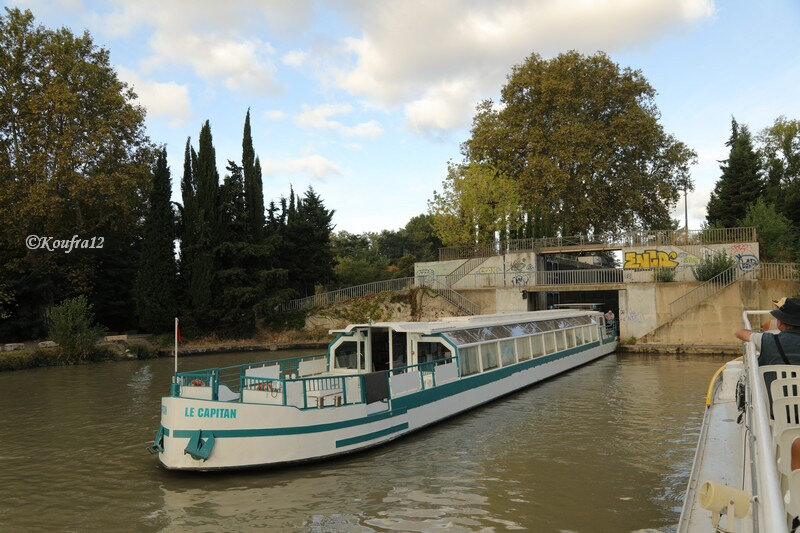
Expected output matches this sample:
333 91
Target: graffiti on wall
488 270
521 265
519 279
746 261
650 259
425 272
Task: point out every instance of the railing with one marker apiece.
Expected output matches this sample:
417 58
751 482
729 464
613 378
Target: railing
703 292
778 271
626 240
358 291
468 266
454 297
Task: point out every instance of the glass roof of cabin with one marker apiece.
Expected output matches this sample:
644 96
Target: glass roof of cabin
492 333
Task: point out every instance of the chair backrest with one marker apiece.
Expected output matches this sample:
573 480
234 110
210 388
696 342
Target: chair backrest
793 507
785 440
787 413
780 371
784 388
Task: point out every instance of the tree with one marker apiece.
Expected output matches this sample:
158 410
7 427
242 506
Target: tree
72 326
422 241
201 269
579 138
776 236
155 282
781 153
74 160
307 238
476 203
253 193
740 184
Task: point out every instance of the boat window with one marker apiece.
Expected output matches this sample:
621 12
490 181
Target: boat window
507 354
550 342
548 325
531 327
523 348
570 335
537 345
468 360
489 355
561 341
590 333
431 351
345 355
463 336
517 330
579 336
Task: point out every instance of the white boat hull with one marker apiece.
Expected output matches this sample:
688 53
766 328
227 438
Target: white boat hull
251 435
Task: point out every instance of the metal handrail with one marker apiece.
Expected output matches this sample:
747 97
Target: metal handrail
348 293
626 240
771 511
704 291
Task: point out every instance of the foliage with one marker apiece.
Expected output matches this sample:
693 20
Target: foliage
557 135
740 184
143 351
361 310
351 271
307 242
72 327
665 274
477 201
781 162
713 265
22 359
73 161
776 237
155 282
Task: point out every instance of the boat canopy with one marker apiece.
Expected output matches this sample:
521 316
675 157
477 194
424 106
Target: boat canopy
520 329
483 322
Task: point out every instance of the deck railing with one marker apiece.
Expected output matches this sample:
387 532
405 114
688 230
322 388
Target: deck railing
630 239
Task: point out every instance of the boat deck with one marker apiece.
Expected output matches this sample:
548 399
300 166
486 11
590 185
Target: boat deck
717 460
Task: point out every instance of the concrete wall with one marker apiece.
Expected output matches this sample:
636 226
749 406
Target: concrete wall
437 268
746 255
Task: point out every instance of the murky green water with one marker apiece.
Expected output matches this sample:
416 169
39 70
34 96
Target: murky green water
606 447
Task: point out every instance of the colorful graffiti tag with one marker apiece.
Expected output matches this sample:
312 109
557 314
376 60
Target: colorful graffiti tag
746 261
650 259
520 265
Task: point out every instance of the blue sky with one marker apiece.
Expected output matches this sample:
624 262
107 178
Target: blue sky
366 101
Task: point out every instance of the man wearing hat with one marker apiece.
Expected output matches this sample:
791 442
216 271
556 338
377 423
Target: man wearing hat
782 347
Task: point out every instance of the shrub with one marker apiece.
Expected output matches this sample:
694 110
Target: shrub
665 274
713 265
71 325
143 351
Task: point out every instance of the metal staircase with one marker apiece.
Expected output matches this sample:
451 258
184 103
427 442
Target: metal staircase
705 291
468 266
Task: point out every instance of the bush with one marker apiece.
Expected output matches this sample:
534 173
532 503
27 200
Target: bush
71 325
143 351
665 274
21 359
713 265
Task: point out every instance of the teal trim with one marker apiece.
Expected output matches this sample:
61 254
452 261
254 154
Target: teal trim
401 405
371 436
296 430
455 353
158 442
199 448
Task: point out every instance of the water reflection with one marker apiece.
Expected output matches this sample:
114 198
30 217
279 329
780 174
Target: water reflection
605 447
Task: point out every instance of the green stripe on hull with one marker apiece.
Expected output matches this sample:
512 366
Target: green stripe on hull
371 436
401 404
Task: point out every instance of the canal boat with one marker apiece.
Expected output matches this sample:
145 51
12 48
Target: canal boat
741 478
377 382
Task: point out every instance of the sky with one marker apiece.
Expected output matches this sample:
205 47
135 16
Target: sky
367 100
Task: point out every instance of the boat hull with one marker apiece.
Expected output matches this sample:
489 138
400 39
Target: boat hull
247 435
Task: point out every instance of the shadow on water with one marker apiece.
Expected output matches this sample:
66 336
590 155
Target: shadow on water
605 447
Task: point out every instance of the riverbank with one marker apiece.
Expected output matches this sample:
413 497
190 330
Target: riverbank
692 349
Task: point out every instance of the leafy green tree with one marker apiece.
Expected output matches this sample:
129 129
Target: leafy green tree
740 184
307 238
156 279
72 326
579 138
74 160
422 241
253 188
476 202
713 265
776 236
781 153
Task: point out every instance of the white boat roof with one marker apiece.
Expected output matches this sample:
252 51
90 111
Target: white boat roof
474 321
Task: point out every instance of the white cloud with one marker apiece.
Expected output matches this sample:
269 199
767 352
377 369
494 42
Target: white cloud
294 58
219 41
169 100
319 118
438 59
275 114
314 166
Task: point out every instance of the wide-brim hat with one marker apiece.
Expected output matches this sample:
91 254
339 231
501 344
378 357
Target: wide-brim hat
789 312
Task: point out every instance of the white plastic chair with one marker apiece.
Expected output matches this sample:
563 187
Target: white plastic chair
785 388
793 504
784 455
787 414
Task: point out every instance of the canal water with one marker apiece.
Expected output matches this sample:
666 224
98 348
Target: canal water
606 447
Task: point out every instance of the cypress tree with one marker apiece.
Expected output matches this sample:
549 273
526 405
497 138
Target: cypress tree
308 232
740 184
155 281
188 214
206 179
253 195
